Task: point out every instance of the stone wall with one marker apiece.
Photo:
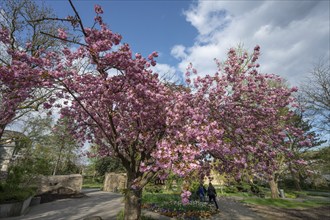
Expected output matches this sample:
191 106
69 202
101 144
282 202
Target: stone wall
113 182
59 184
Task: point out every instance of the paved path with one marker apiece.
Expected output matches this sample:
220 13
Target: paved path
107 205
96 203
232 209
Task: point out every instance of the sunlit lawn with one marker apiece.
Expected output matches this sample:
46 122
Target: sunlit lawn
90 183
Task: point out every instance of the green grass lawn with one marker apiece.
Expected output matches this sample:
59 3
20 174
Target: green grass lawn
283 203
160 198
89 183
92 185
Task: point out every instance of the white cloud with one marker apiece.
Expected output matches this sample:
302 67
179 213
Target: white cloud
178 51
166 72
292 35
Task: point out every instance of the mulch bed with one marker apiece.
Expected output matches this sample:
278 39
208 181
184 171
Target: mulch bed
49 197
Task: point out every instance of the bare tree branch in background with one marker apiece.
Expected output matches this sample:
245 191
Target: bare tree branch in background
16 15
315 95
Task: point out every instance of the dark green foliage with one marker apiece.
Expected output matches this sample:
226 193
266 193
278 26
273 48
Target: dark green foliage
108 164
52 150
90 182
257 190
153 188
13 189
243 187
230 189
194 190
12 193
323 155
159 197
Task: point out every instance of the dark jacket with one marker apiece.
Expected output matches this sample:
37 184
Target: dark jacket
211 191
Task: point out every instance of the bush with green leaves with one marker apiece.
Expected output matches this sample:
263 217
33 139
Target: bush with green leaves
13 193
230 189
17 186
153 188
157 198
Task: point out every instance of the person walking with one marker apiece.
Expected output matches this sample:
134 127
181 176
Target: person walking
201 192
212 195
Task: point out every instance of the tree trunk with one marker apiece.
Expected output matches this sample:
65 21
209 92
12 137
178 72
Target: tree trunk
58 160
133 205
2 129
273 187
133 199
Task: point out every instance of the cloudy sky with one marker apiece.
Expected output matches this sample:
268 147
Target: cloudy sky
293 35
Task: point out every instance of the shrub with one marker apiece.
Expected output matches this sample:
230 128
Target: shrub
159 198
243 187
152 188
230 189
13 193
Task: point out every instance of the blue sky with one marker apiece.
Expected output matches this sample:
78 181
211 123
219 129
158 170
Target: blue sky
293 35
146 25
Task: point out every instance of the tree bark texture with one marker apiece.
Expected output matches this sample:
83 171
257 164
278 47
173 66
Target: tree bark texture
133 200
273 187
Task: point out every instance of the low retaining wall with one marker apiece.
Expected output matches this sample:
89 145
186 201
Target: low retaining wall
59 184
14 209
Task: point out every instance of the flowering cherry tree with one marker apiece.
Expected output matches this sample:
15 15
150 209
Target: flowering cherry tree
117 102
252 112
20 47
19 82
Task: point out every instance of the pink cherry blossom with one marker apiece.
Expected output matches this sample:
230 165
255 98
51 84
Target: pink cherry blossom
98 9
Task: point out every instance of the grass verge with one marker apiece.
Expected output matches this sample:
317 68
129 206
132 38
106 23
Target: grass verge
92 185
288 204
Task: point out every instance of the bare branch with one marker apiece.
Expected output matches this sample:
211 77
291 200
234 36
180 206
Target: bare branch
66 40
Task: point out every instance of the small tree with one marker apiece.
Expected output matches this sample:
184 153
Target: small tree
52 149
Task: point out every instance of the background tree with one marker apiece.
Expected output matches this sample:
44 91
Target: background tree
316 96
251 111
108 164
318 167
51 150
299 146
